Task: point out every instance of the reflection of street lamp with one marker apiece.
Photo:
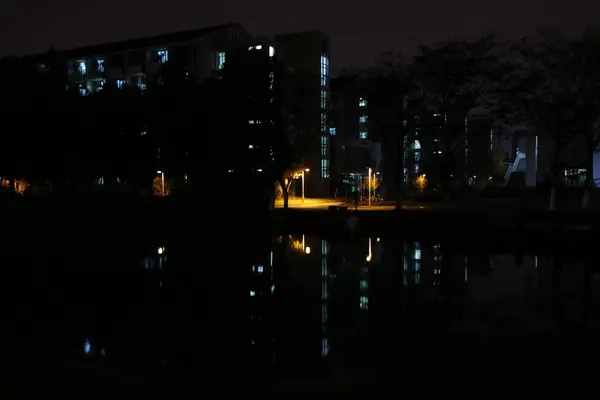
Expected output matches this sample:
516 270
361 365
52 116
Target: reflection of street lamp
304 170
162 177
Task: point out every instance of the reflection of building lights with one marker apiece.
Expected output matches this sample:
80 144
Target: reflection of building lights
370 255
161 250
307 250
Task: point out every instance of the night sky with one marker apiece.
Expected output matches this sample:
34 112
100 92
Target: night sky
359 30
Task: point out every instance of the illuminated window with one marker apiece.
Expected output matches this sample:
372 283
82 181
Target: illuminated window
323 99
100 64
364 302
271 51
83 91
363 119
140 82
364 285
332 131
121 83
81 67
323 146
221 59
162 56
87 347
363 134
323 122
324 168
324 70
362 102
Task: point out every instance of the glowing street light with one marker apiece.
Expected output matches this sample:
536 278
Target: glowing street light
304 170
162 176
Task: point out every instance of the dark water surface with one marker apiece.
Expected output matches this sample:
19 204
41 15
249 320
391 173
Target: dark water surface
228 315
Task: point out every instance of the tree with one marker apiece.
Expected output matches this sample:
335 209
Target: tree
454 78
586 59
542 92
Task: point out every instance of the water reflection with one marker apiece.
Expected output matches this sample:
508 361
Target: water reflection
269 312
385 300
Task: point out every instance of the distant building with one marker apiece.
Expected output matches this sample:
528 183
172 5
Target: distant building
136 62
203 51
354 147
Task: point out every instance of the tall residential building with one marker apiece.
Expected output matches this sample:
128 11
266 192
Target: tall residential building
203 51
354 147
137 61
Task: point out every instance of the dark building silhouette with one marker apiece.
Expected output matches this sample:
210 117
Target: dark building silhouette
201 53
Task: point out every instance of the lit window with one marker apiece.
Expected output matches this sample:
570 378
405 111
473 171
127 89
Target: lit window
271 51
323 145
162 56
363 134
363 119
81 67
100 65
332 131
87 347
252 293
416 145
324 168
220 59
364 302
140 82
324 70
362 102
364 285
259 47
121 83
83 91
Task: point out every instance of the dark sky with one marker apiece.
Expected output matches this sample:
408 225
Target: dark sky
359 30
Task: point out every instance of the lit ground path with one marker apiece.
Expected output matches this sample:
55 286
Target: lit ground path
319 204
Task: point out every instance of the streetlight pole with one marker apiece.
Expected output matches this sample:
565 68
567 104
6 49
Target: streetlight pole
303 182
370 173
162 177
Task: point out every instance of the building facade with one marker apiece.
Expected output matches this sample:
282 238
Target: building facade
203 52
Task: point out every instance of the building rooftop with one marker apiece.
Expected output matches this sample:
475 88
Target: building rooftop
130 44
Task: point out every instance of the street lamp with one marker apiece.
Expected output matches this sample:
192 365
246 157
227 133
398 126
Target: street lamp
304 170
162 177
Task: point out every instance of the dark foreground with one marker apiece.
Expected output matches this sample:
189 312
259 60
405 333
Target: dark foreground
192 306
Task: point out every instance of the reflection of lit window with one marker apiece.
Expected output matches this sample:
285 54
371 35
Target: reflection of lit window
364 302
325 347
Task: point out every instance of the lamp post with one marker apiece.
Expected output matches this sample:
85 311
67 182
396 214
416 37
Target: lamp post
370 173
304 170
162 177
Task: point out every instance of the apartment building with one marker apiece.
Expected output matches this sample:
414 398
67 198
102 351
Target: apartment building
203 51
354 145
136 62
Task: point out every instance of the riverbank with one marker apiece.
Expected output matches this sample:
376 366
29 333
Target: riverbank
487 227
